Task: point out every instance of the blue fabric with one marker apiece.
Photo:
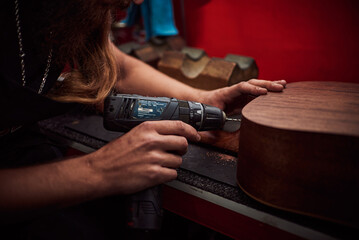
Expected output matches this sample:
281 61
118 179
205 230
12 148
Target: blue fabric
146 15
157 17
132 15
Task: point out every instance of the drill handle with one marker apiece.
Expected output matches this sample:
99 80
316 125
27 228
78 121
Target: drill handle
144 209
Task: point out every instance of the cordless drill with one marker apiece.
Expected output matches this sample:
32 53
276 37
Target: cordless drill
122 112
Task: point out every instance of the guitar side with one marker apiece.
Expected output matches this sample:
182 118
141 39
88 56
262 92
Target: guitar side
299 150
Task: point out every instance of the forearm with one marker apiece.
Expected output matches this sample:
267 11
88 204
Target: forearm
50 185
140 78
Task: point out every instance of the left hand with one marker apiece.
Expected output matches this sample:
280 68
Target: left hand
232 99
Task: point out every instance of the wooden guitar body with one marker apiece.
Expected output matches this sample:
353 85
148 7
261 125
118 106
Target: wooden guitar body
299 150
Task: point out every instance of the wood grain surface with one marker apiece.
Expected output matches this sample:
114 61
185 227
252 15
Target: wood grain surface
327 107
299 150
221 139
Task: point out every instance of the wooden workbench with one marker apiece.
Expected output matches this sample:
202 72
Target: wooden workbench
205 190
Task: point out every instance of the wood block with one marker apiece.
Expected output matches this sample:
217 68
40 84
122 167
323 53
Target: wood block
247 64
194 53
161 44
224 140
198 70
152 51
145 53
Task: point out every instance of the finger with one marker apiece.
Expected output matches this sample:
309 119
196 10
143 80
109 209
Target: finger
171 127
158 174
167 174
282 82
270 85
249 88
169 160
176 144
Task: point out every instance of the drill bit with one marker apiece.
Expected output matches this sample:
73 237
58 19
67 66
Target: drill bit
233 119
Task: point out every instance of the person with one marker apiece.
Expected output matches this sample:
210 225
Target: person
39 40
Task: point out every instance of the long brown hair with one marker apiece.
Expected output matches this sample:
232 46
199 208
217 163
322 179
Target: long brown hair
80 34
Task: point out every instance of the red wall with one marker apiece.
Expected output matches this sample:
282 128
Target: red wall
297 40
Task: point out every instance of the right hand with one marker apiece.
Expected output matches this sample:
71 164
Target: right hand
144 157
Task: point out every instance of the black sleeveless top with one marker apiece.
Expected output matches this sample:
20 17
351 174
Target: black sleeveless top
22 105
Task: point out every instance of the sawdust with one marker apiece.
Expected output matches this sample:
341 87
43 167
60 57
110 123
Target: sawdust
221 157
